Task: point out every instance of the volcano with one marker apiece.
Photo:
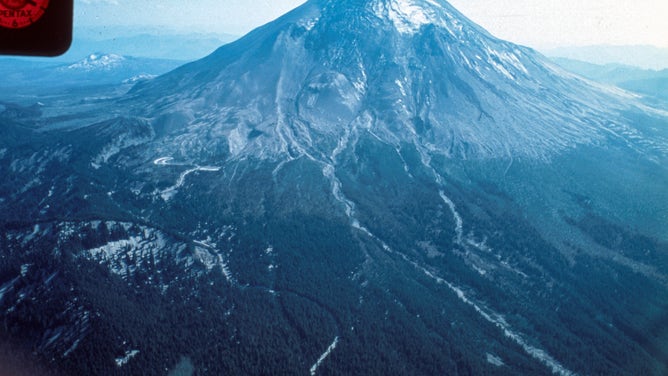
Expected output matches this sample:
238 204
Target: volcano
359 187
409 70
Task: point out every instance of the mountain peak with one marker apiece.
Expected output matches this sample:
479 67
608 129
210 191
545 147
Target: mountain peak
98 61
408 16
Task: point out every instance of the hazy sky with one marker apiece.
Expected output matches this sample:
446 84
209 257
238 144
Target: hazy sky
536 23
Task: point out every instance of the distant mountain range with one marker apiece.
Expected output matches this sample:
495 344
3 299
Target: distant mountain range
649 82
109 55
144 42
645 57
95 69
156 45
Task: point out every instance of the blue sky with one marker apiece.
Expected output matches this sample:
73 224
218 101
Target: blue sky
536 23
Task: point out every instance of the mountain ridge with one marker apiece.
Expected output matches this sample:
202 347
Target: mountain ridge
644 81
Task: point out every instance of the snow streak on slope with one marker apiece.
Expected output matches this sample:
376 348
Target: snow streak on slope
120 362
324 356
329 171
7 287
498 320
135 252
459 224
490 316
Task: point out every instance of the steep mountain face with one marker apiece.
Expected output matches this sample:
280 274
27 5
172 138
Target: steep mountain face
359 187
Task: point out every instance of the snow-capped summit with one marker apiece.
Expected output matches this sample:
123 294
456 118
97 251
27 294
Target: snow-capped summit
98 62
408 16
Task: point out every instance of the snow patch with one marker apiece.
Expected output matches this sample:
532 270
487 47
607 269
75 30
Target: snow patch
225 269
361 83
500 68
123 257
309 24
212 258
401 87
407 16
495 360
236 141
138 78
120 362
7 286
480 245
31 236
72 348
124 141
25 269
459 223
